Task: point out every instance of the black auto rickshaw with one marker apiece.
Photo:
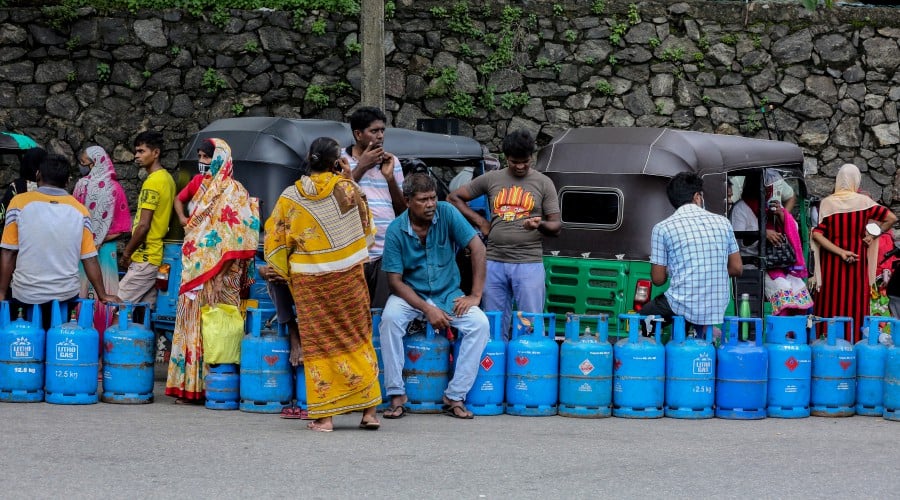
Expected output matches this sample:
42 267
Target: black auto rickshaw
612 191
269 154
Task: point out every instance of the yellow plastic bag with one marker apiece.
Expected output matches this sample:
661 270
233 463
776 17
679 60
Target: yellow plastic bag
222 328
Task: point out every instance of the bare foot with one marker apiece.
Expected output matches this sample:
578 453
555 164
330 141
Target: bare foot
321 425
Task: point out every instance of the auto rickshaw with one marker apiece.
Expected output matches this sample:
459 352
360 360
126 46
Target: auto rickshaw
612 191
269 155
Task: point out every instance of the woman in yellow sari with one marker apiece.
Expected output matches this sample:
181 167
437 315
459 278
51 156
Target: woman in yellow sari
317 238
220 238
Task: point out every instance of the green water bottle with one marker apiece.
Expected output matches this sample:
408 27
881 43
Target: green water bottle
744 312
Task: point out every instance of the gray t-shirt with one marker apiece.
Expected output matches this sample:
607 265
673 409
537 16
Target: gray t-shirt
512 199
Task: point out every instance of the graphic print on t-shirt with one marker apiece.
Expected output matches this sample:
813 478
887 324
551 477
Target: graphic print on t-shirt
513 203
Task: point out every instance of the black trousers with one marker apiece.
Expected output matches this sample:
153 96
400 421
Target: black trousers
376 279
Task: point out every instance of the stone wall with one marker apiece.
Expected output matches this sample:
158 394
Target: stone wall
827 79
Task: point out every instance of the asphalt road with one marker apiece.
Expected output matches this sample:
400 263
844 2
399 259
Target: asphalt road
175 451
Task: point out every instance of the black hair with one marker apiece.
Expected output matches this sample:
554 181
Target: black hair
55 170
150 138
518 144
418 183
683 187
364 116
30 163
323 152
207 146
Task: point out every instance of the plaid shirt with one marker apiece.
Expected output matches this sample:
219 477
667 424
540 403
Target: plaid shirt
694 245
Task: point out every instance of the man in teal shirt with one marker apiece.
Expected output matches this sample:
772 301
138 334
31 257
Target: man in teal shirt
420 261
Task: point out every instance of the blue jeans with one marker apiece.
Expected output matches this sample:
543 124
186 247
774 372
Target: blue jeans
473 329
506 281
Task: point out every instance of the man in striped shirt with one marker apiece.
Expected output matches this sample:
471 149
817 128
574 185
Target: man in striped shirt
380 176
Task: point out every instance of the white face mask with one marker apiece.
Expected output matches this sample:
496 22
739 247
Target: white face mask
202 167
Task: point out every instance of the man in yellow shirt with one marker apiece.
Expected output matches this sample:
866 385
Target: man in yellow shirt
143 254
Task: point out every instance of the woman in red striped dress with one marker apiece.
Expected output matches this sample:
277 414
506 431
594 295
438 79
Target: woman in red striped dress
845 254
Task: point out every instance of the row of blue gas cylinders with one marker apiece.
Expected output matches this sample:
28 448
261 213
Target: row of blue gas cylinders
689 377
61 364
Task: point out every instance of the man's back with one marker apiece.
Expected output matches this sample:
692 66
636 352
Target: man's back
51 232
694 245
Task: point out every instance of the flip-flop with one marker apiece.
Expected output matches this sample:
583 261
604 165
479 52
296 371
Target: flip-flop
370 426
452 411
390 412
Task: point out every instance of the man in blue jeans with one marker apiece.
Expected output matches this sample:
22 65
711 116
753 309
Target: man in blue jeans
420 261
523 209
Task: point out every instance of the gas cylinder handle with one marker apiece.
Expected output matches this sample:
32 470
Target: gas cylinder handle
679 329
536 318
634 325
55 320
552 330
732 336
376 311
831 332
573 326
429 331
4 315
495 321
36 317
872 324
146 306
86 314
255 321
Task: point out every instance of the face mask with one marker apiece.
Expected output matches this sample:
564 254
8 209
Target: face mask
202 167
84 170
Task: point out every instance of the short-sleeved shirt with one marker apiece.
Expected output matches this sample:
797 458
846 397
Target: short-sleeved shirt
157 194
512 199
51 232
378 196
429 269
694 245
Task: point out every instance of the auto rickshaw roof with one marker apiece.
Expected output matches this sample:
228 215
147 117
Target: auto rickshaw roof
661 152
285 141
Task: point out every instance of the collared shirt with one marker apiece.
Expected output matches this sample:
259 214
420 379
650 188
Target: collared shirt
378 196
429 268
694 245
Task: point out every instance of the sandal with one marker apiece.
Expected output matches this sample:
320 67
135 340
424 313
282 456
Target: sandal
369 425
394 412
457 411
291 412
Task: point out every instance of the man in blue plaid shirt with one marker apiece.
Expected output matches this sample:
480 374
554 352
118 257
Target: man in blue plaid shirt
697 252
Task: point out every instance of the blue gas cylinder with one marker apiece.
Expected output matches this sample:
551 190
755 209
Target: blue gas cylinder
223 384
639 372
426 370
266 376
376 344
486 395
790 367
892 377
128 358
742 369
690 373
73 354
870 356
585 368
21 357
833 388
532 366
